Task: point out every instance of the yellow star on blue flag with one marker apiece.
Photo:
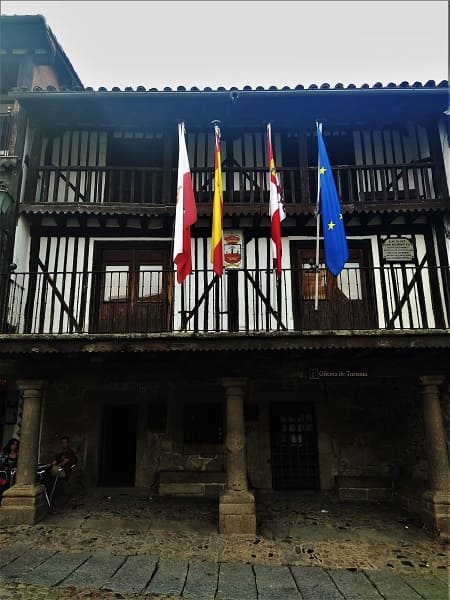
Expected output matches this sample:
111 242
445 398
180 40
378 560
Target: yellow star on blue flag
335 241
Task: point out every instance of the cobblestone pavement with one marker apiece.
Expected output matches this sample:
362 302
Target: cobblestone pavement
122 544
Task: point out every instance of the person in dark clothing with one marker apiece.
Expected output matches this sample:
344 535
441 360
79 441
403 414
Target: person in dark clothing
64 460
8 464
10 453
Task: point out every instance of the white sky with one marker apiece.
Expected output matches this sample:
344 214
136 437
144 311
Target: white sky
213 43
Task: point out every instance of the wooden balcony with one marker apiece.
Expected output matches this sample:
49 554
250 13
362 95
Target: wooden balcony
405 184
243 301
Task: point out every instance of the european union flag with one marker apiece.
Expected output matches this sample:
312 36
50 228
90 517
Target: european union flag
336 249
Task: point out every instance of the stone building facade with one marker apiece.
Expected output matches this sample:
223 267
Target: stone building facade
224 386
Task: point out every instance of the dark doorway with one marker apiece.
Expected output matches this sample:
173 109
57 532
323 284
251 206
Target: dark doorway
118 449
294 447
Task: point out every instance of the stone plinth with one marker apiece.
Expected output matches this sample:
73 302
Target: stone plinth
436 513
23 505
237 513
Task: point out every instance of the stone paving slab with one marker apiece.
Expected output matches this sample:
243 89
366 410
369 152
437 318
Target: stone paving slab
19 568
126 524
94 572
64 521
428 587
169 578
201 582
315 583
12 552
55 569
354 585
391 586
443 576
274 583
134 575
236 582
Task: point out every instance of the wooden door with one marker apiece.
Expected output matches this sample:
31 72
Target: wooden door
345 302
118 445
134 291
294 446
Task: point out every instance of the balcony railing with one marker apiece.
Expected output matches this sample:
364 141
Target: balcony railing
243 300
402 182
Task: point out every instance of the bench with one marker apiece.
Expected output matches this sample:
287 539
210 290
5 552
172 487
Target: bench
191 483
364 489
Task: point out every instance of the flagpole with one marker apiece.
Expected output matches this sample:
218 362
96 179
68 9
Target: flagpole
316 294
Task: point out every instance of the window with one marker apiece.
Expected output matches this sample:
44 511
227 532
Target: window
157 417
203 423
150 281
116 283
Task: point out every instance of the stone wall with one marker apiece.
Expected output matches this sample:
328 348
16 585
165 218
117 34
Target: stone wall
373 427
63 414
362 430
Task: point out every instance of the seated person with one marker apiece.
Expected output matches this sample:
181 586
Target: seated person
10 454
8 463
64 460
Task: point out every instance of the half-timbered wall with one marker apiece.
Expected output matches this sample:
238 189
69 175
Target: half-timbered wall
403 292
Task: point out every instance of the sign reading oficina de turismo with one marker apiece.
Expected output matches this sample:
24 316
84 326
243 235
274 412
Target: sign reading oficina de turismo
335 374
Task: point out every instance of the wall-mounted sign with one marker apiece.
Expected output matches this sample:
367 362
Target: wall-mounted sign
399 249
232 249
336 374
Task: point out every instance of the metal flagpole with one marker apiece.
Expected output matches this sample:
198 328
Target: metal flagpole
316 266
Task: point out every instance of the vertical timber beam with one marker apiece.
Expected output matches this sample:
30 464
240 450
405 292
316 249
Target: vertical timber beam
436 500
24 503
237 503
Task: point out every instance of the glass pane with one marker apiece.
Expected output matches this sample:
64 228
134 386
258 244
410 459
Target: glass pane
150 281
309 283
116 283
349 281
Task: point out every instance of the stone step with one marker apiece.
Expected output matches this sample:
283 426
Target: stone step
191 483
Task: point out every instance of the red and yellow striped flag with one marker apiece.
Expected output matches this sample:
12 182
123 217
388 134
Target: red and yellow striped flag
217 215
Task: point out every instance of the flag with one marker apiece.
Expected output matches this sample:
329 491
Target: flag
185 213
216 236
276 206
336 249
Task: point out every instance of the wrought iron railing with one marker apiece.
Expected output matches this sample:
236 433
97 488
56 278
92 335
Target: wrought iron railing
403 182
243 300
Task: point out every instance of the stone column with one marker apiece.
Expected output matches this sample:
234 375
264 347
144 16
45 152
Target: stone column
24 502
436 500
237 504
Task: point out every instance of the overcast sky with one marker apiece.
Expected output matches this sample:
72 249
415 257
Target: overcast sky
171 43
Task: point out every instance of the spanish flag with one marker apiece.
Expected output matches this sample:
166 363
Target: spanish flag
217 214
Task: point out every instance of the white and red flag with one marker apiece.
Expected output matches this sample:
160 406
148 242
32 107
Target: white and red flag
276 206
186 211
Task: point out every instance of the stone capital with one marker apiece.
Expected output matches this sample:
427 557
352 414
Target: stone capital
25 385
436 380
235 382
441 497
